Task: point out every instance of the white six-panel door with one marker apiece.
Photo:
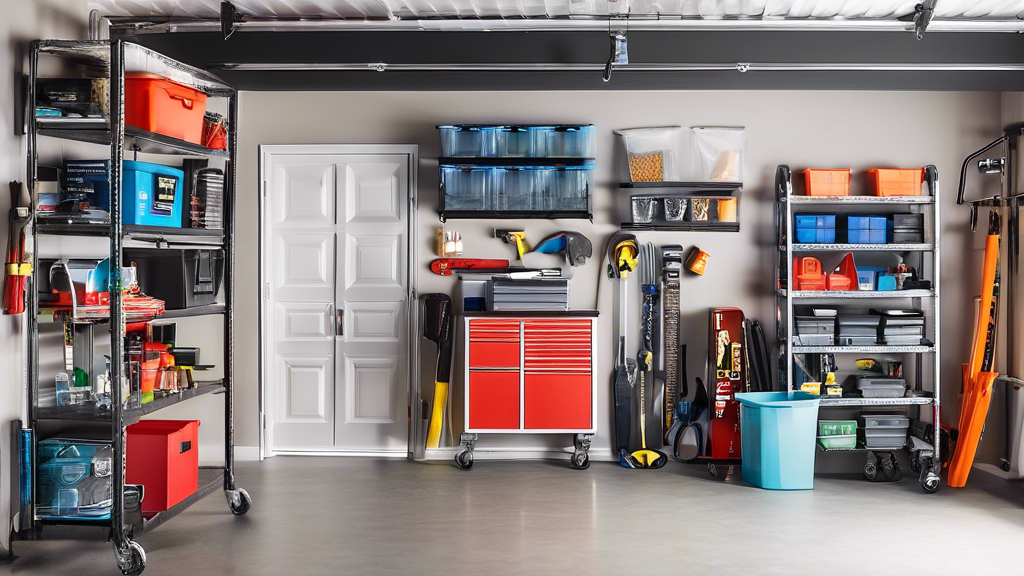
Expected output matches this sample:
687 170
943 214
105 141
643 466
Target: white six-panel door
336 300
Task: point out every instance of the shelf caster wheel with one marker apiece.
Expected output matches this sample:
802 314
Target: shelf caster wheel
891 469
871 470
132 560
464 459
712 469
930 481
239 501
580 460
1004 465
915 462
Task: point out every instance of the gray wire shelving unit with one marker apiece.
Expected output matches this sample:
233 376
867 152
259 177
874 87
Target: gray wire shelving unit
110 59
925 357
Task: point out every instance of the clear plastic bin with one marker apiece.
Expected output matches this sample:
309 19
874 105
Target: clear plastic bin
469 141
467 189
566 141
74 479
719 153
651 153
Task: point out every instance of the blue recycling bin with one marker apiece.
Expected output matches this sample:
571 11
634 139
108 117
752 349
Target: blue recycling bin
777 431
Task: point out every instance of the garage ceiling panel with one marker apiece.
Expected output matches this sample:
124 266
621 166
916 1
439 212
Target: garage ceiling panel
385 9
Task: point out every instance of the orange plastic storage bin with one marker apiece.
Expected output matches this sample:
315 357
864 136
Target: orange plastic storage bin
822 182
844 277
156 104
807 274
897 181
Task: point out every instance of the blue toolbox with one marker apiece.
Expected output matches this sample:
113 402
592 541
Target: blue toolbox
867 229
152 194
815 228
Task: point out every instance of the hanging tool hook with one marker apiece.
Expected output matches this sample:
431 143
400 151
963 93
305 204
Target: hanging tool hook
618 54
229 17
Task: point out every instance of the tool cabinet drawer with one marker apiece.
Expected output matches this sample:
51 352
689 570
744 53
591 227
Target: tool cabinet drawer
557 401
493 355
494 400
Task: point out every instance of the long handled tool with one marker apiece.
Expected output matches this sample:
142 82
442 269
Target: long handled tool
979 377
649 312
645 458
18 264
672 266
437 327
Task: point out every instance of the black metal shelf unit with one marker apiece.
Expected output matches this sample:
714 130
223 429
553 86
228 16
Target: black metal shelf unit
107 58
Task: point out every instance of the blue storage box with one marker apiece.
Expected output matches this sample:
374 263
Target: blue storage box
886 282
152 194
815 228
73 479
777 435
867 276
815 235
815 220
517 188
866 222
866 236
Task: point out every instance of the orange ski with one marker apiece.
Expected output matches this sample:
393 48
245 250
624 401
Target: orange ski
979 377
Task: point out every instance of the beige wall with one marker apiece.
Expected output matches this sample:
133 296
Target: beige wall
855 129
21 21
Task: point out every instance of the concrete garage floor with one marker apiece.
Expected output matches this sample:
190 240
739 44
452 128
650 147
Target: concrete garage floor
360 516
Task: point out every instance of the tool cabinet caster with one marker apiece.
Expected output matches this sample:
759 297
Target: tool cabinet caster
131 560
712 469
464 458
581 456
239 501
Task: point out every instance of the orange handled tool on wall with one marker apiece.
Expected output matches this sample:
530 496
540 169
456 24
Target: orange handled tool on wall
18 264
979 377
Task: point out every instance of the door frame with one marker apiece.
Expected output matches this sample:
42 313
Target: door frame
412 247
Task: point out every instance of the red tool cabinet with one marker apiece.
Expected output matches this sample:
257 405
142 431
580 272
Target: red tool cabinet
529 373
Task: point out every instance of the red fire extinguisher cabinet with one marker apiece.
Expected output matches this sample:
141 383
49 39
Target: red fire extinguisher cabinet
163 456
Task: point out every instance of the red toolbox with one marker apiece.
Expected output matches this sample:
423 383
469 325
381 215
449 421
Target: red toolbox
157 104
163 456
530 374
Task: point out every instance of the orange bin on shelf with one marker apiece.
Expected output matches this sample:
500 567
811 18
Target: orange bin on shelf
844 277
897 181
157 104
827 182
807 274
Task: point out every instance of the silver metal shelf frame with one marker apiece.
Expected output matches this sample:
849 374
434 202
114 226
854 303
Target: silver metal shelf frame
928 300
112 58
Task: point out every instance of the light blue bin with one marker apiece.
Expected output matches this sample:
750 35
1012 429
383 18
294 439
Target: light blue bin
777 431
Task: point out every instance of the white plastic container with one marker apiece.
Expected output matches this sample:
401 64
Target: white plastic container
719 153
647 148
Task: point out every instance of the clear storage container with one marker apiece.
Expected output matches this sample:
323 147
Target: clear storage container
517 141
74 479
467 188
468 141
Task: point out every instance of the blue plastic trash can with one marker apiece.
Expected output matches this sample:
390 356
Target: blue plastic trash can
777 433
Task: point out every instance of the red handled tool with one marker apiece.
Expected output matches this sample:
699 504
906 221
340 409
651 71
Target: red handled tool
18 265
445 266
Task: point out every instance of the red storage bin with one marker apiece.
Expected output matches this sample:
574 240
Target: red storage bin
156 104
163 456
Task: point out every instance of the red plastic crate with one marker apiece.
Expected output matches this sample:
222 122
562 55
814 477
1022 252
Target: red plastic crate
156 104
163 456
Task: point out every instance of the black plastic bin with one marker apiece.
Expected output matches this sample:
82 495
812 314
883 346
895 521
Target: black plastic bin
181 278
